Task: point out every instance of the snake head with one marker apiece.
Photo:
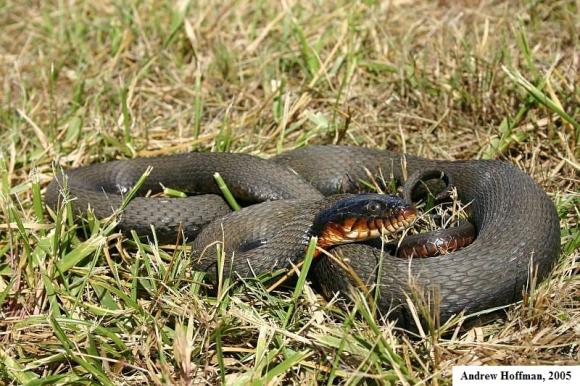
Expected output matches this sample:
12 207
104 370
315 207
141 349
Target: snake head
351 218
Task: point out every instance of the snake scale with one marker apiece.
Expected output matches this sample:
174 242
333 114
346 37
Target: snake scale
516 223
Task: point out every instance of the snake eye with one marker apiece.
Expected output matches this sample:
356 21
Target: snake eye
374 207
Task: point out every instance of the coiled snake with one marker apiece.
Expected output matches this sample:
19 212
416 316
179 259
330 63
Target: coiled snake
516 223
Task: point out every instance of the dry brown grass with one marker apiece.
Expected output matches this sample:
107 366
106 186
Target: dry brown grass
86 82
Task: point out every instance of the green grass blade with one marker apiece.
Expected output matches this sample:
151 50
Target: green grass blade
229 197
16 371
69 346
299 288
286 365
197 105
540 96
80 252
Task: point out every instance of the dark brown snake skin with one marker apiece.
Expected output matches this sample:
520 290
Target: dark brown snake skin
516 223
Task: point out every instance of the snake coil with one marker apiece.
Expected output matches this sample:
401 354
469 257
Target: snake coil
516 223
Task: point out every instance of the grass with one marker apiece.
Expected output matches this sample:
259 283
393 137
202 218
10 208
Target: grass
86 82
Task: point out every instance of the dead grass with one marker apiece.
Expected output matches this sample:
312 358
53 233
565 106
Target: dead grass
85 82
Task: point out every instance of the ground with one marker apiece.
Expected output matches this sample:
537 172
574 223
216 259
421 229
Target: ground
86 82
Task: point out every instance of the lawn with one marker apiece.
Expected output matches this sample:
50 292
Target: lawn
86 82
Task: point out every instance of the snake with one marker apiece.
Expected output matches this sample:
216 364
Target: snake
321 190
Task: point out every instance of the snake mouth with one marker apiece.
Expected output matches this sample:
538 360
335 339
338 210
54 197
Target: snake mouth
361 228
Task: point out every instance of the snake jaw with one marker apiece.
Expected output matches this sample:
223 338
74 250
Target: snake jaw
353 229
368 229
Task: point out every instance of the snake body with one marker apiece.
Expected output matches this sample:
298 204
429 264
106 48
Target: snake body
516 223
